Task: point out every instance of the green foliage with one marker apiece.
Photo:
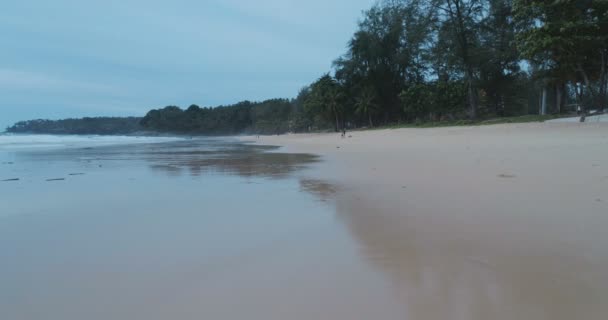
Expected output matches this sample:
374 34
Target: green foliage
271 116
434 100
301 119
417 61
568 41
195 120
386 53
326 100
274 116
366 105
417 100
100 126
467 122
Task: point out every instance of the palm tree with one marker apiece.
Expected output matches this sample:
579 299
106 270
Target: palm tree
366 104
334 99
327 98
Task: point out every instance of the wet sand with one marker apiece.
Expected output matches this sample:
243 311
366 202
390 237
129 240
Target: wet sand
492 222
499 222
193 229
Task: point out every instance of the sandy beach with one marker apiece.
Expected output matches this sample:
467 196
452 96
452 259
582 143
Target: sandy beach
304 160
465 223
488 222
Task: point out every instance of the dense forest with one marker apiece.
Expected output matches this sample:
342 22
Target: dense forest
268 117
101 126
435 60
416 61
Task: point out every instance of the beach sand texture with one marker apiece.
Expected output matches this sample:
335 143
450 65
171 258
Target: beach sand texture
464 223
489 222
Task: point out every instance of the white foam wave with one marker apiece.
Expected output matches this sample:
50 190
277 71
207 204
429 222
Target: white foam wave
9 142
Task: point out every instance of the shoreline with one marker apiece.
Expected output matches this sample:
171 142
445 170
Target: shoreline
495 222
592 118
477 152
517 209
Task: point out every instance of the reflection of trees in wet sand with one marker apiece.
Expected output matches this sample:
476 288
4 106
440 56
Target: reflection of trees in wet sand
441 271
196 157
254 164
225 158
319 188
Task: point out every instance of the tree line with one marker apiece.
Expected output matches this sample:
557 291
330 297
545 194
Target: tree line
434 60
99 126
412 61
267 117
429 60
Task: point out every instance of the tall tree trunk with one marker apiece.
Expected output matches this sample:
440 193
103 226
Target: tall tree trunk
558 98
500 111
589 88
337 121
458 15
543 104
371 123
579 97
540 102
472 94
602 98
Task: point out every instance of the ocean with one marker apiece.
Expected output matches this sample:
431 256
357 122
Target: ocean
173 228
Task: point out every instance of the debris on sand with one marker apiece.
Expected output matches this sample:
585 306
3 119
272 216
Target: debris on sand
14 179
56 179
77 174
8 163
508 176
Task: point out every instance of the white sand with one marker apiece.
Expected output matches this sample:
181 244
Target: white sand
495 222
540 153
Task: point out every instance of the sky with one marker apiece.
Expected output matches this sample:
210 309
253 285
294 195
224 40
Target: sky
76 58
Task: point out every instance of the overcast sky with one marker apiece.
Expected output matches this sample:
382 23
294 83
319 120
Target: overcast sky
73 58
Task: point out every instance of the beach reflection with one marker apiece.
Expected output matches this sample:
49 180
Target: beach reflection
322 190
467 271
194 157
177 227
252 164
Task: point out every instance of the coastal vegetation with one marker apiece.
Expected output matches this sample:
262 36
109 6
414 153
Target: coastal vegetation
412 62
100 126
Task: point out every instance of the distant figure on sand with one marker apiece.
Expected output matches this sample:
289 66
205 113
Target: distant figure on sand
343 133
